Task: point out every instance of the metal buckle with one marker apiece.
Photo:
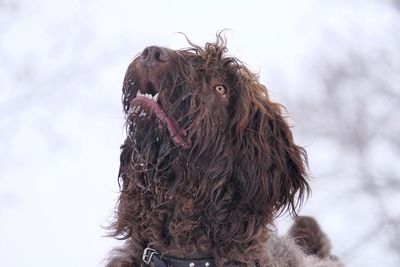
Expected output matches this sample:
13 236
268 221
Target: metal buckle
148 254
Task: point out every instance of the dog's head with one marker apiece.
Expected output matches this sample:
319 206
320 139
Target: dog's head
199 121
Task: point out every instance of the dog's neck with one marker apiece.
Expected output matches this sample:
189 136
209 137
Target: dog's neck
198 224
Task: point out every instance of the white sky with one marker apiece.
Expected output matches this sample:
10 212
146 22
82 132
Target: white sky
61 70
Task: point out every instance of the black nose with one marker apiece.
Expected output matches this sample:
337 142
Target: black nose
155 54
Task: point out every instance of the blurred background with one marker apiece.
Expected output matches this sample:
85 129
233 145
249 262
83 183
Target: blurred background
335 65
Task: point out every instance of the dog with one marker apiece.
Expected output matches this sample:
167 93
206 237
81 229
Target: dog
208 163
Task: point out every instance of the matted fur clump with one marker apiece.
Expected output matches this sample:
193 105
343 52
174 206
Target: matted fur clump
208 162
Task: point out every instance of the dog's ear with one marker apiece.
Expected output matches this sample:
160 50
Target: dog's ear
270 169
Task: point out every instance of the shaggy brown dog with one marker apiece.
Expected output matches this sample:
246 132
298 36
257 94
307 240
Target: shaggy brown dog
207 164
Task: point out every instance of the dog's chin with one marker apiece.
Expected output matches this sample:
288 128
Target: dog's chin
144 132
152 135
147 112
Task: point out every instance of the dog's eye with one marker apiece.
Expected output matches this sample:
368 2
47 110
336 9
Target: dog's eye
220 89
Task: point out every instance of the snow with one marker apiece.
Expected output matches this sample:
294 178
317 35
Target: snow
143 113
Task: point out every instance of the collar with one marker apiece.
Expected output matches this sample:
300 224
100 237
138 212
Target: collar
152 256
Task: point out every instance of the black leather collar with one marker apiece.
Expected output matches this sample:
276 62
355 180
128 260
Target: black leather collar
152 256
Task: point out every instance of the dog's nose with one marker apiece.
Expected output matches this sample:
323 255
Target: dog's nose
155 54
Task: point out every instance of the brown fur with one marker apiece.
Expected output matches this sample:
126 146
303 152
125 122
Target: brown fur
218 195
308 235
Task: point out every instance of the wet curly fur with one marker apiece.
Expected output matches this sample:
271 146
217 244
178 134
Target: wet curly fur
207 174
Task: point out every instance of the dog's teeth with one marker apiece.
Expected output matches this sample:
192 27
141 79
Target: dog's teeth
149 96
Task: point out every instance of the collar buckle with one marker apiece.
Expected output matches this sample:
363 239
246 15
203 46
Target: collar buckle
148 254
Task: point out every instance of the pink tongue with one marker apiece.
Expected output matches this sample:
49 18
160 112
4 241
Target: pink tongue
177 137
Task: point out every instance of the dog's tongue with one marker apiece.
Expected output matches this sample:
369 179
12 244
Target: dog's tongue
177 136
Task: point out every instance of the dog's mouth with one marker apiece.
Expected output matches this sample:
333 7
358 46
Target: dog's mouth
145 104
